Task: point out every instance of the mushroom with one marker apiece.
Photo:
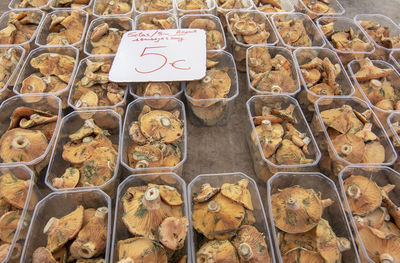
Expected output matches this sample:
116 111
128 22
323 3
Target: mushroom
217 251
374 153
169 194
207 192
54 64
286 114
42 255
374 219
369 71
297 210
135 134
217 218
342 119
98 32
145 156
77 153
250 245
391 207
33 84
4 248
14 190
4 206
8 225
172 232
137 249
349 147
238 193
311 77
61 255
366 133
36 120
269 136
289 153
89 127
60 230
157 89
301 255
161 125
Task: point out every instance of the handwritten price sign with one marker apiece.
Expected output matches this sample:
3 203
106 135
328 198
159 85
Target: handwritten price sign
160 55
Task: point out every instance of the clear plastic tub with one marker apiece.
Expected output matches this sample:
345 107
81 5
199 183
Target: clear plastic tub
53 5
138 7
105 119
344 24
273 51
217 180
29 44
185 21
47 103
239 48
120 231
132 114
44 29
220 109
381 176
33 196
134 86
381 52
332 163
113 22
14 4
394 59
27 70
147 18
306 97
286 7
210 10
314 34
394 78
263 167
393 119
334 214
337 9
247 5
58 205
97 9
79 74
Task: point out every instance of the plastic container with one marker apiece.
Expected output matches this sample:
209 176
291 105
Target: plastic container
58 205
394 78
286 7
53 5
134 86
44 31
381 176
132 114
313 32
337 9
221 108
33 196
48 103
27 70
381 52
394 59
105 119
113 22
97 9
137 5
247 5
394 136
14 4
332 163
239 48
344 24
121 231
306 97
185 21
79 74
147 17
334 214
211 7
273 51
263 167
29 44
217 180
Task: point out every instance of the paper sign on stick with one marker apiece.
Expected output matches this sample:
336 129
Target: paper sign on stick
160 55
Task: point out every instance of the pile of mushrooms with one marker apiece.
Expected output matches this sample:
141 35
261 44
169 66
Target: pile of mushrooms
113 7
381 34
52 73
153 5
247 30
214 38
281 142
8 62
94 89
273 75
20 27
376 216
205 93
156 89
377 85
13 196
155 21
153 215
80 236
155 139
268 6
71 3
92 157
396 143
224 217
32 3
66 28
303 235
105 38
318 6
232 4
27 136
293 32
193 4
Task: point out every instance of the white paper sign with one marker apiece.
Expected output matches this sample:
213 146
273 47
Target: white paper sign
160 55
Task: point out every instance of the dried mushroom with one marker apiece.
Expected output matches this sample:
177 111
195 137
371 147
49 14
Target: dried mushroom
105 37
66 28
92 157
269 6
157 5
214 38
153 22
113 7
137 249
293 32
319 7
381 34
217 251
193 4
8 62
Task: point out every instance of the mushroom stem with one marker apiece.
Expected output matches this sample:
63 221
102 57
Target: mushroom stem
51 224
245 251
353 191
326 202
346 149
152 199
58 182
386 258
101 212
20 142
213 206
87 250
344 244
388 188
292 204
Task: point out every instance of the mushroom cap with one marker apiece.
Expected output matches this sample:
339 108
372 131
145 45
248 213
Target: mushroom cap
137 249
172 232
33 84
321 89
135 133
374 219
53 64
217 251
374 153
161 125
157 89
144 156
77 152
289 154
270 137
69 179
342 119
87 215
327 242
21 145
369 71
217 218
88 128
14 190
207 192
249 237
8 225
60 231
301 255
311 77
297 210
286 114
238 193
363 194
42 255
350 147
24 112
169 194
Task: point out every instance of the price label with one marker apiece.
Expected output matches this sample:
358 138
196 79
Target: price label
160 55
